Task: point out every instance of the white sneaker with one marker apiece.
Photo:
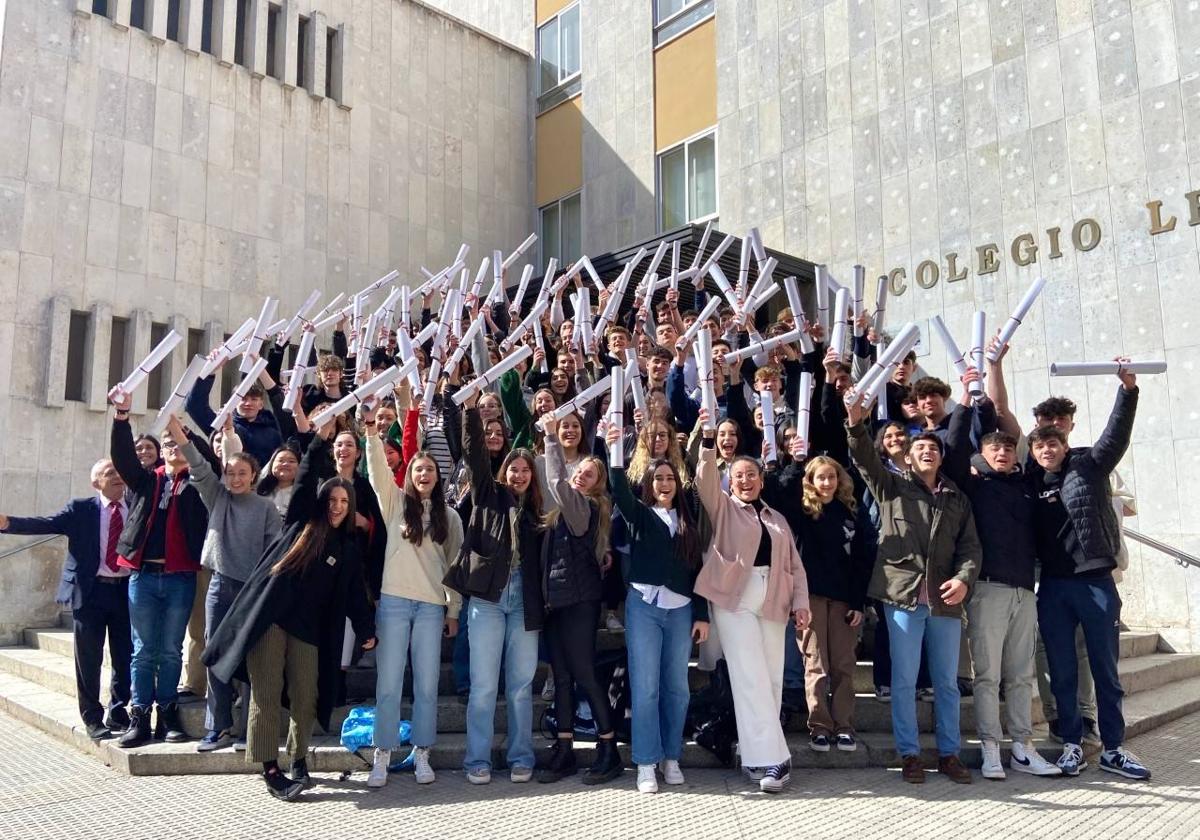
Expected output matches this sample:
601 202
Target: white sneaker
519 775
612 623
377 778
1028 760
993 767
647 782
425 774
479 776
672 775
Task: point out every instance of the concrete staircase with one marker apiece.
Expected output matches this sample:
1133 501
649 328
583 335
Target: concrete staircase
37 685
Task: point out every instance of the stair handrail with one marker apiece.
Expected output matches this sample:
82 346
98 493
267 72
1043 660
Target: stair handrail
1181 557
28 546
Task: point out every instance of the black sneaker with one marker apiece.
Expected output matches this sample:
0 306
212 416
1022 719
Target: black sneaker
846 742
168 719
280 786
98 731
819 742
562 762
300 773
776 779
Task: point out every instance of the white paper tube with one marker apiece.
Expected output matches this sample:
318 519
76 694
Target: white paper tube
291 326
521 249
978 340
372 288
163 349
616 415
239 393
704 365
329 307
767 403
405 309
540 341
754 304
675 266
804 409
526 276
583 319
718 252
765 278
179 395
822 297
517 334
296 384
879 374
656 260
756 244
708 226
431 381
426 333
463 250
492 374
583 398
366 341
743 281
404 351
548 279
860 290
839 331
333 317
798 317
881 292
225 350
261 331
477 286
763 346
464 343
1105 368
1010 326
363 393
710 309
389 302
957 359
726 289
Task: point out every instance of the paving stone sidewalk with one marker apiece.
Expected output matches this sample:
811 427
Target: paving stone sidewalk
49 790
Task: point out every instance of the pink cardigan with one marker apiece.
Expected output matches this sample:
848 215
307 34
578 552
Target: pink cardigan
728 563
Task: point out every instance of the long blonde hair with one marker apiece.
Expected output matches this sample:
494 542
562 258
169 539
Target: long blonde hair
845 487
599 497
642 456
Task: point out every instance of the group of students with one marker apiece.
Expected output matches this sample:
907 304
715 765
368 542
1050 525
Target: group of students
284 550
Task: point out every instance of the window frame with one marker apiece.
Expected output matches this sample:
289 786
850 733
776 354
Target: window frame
543 254
567 86
689 8
686 144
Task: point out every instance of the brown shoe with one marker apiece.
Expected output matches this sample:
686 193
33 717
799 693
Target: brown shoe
955 770
913 770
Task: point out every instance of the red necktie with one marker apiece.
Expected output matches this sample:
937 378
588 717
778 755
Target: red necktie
115 524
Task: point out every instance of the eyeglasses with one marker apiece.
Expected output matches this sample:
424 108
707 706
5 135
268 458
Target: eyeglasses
170 444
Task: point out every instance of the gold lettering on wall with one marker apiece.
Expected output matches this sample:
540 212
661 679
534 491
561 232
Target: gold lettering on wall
1093 238
896 284
953 275
927 274
1193 198
1157 225
1024 249
1055 250
988 264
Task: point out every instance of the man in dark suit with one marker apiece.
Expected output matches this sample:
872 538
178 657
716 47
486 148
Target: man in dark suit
97 590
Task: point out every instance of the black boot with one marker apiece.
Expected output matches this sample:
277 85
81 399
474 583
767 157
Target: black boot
138 732
562 762
117 720
168 719
280 786
300 773
607 765
160 726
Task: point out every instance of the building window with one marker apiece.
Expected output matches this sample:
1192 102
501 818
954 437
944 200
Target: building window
155 384
301 52
173 20
195 343
274 65
674 17
137 15
100 7
561 229
206 25
687 182
242 14
330 56
77 337
117 351
558 49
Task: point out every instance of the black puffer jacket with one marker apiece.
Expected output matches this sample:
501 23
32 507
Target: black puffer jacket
1083 486
570 554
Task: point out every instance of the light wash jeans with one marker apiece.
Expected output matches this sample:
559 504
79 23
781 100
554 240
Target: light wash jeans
498 633
942 636
659 642
406 627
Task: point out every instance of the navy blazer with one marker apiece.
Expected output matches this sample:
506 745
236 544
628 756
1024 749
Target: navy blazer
79 521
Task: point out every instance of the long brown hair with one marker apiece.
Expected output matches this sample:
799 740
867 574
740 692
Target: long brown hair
533 496
317 530
598 498
414 509
687 538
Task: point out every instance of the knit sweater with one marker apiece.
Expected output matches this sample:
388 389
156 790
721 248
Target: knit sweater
412 571
240 527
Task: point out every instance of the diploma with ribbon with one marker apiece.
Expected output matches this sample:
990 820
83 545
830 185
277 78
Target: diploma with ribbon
579 401
178 395
160 352
767 404
239 393
616 415
1010 326
492 374
1106 368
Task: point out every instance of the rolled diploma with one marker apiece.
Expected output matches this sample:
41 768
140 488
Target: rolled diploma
900 345
404 350
497 277
708 395
708 226
426 333
633 379
540 341
163 349
329 306
372 288
524 327
389 302
297 381
978 340
584 397
526 276
548 279
798 316
584 318
763 346
405 308
521 249
616 415
238 393
290 329
463 250
477 286
1104 368
755 303
464 343
767 404
362 361
265 317
881 291
656 260
765 278
726 289
333 317
717 253
956 355
1010 326
860 289
822 297
756 243
435 373
363 393
743 281
838 333
675 266
492 374
804 408
710 309
179 394
226 349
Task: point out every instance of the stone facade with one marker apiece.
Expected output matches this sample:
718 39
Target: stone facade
142 180
891 132
509 20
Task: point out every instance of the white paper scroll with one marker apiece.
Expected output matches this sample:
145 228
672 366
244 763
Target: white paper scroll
517 334
710 310
372 288
225 350
881 292
404 350
492 374
297 381
675 266
362 394
723 284
708 226
178 396
765 278
876 379
756 244
716 255
756 302
839 333
616 415
329 307
265 317
239 393
426 333
290 328
798 316
477 285
633 379
957 360
497 291
583 398
163 349
860 290
743 281
431 382
526 276
763 346
540 341
461 256
333 317
804 409
521 249
1105 368
978 340
464 344
704 367
366 341
767 404
1010 326
389 304
548 279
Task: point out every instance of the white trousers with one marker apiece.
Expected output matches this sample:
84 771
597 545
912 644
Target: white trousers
754 652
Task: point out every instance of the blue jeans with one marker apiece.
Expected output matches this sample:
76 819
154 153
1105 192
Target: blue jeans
218 713
942 636
159 608
659 642
793 659
498 633
1063 605
403 627
461 657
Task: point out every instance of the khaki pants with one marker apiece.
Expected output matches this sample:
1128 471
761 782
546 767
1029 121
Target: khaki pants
195 675
275 654
1003 633
828 644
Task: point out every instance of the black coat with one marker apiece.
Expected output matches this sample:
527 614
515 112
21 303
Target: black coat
481 568
570 573
267 599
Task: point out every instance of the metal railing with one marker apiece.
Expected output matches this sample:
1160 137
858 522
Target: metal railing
28 546
1181 557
